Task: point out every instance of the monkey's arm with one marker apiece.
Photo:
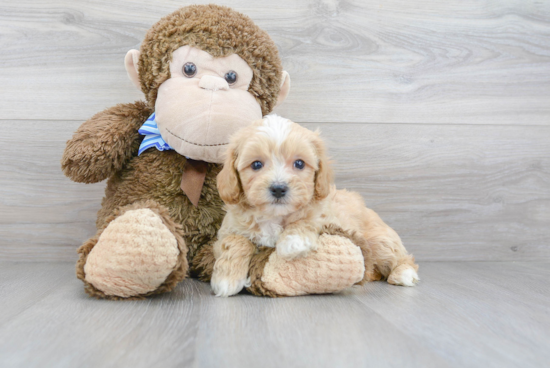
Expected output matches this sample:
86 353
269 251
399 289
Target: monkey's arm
103 144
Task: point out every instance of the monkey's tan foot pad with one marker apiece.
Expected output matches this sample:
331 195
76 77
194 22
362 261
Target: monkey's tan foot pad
336 265
134 255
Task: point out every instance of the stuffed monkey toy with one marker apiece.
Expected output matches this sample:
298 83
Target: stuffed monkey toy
205 71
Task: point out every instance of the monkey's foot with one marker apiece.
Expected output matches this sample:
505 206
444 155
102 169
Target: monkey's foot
336 265
133 256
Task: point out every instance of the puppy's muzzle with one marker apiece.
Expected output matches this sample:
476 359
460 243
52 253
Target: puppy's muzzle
278 190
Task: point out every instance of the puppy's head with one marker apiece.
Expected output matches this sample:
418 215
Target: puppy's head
276 166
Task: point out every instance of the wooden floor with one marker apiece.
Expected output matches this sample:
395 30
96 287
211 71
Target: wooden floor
437 112
462 314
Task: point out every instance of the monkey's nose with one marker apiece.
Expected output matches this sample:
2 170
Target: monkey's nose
213 83
278 190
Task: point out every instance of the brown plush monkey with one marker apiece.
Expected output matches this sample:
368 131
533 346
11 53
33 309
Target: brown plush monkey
205 71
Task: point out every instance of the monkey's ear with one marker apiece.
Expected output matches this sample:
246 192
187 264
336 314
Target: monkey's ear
131 64
285 88
229 185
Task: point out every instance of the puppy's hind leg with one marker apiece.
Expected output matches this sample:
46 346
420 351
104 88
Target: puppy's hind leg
392 260
405 274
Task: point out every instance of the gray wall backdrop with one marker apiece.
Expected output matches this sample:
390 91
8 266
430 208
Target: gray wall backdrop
437 112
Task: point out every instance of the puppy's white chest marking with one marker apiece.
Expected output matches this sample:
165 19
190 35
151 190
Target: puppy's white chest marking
269 233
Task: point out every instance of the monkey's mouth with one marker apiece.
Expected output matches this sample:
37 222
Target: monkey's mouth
196 144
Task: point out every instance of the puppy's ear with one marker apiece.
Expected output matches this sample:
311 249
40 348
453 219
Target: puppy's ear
229 184
323 176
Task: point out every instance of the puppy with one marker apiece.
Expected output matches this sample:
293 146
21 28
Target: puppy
278 189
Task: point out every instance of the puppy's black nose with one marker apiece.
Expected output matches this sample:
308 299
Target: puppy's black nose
278 190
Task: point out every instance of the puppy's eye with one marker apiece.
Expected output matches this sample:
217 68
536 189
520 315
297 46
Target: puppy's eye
189 70
231 77
299 164
257 165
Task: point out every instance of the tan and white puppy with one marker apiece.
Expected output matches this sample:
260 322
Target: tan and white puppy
278 189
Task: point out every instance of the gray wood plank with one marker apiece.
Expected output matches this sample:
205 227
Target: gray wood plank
471 314
68 329
313 331
458 62
462 314
452 192
24 284
43 215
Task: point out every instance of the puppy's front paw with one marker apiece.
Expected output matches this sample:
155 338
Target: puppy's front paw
226 287
293 246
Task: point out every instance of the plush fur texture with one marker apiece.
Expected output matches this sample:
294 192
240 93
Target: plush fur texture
138 248
202 265
156 176
220 31
106 147
179 270
104 144
152 178
311 274
256 271
337 259
197 115
276 152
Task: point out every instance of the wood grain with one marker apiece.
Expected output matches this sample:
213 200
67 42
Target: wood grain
462 314
429 62
326 331
472 192
507 301
75 330
436 112
43 215
22 285
451 192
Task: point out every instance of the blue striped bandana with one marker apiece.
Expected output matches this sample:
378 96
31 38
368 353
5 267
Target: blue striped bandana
152 136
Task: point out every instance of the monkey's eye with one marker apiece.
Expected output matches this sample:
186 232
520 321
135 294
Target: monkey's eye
299 164
189 70
257 165
231 77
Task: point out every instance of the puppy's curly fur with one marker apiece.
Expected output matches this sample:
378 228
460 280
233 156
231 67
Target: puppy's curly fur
278 189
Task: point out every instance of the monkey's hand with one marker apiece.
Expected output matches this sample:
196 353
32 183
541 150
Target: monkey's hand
102 145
